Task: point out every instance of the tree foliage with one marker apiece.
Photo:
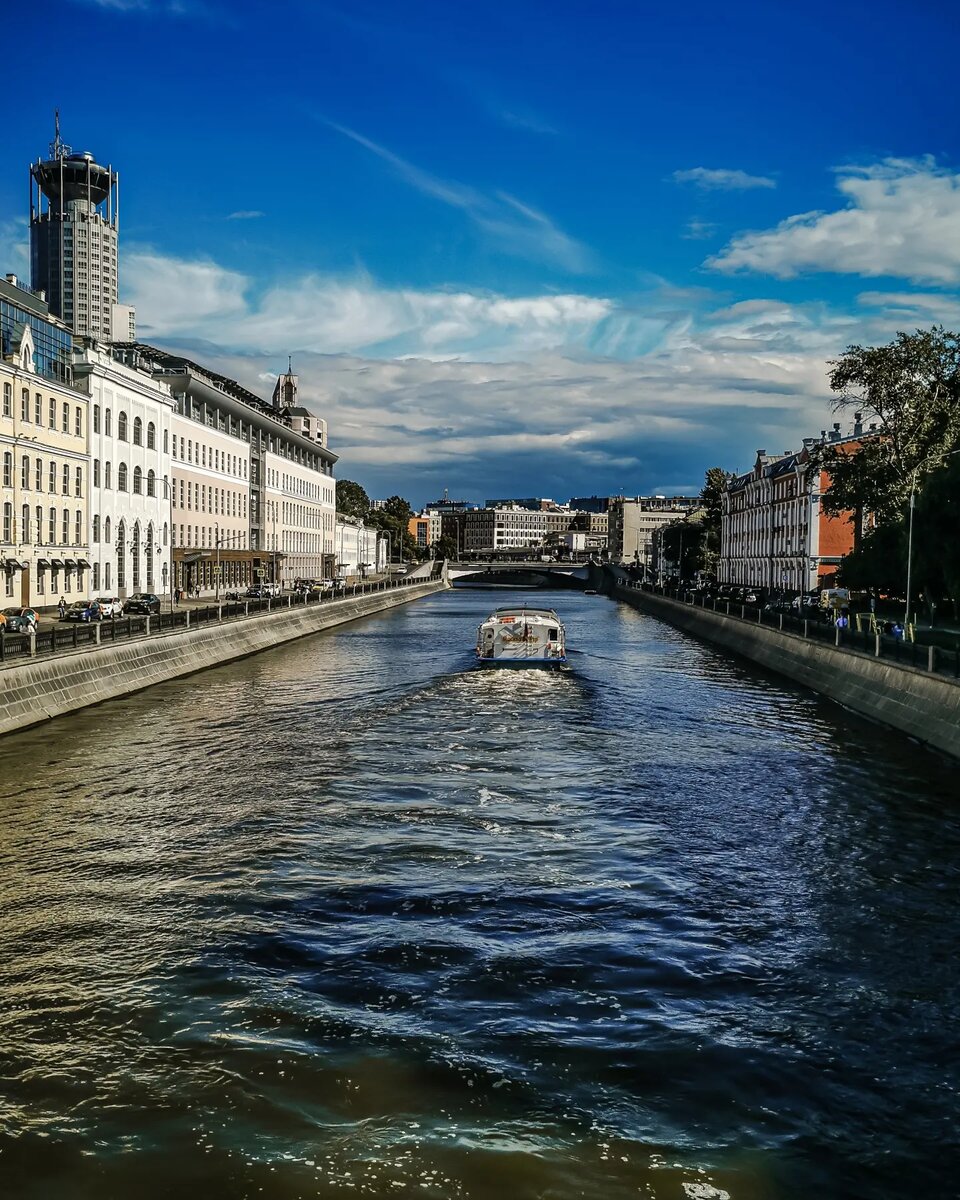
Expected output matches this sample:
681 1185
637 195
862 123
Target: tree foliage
910 389
714 486
685 546
352 500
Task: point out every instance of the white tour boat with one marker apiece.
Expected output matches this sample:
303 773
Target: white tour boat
521 637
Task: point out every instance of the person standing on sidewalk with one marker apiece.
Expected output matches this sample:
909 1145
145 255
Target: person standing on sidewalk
62 607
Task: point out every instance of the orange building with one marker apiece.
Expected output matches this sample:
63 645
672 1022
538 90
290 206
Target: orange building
774 533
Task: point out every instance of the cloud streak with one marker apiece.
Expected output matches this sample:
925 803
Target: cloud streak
515 227
722 180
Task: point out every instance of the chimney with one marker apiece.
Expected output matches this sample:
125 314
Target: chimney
761 453
823 435
857 424
835 432
11 278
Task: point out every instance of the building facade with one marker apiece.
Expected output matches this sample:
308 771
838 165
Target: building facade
503 530
131 417
361 550
774 533
633 520
44 486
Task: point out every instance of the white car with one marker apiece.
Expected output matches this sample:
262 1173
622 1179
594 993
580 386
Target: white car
110 606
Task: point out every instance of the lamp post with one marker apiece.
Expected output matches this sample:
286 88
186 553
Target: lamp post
913 496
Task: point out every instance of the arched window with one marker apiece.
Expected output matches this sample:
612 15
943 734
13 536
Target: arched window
122 426
165 533
151 436
107 422
136 555
137 431
39 514
137 481
7 469
52 526
78 528
166 441
96 528
121 556
106 530
96 472
25 472
151 483
107 482
25 524
122 477
8 523
96 418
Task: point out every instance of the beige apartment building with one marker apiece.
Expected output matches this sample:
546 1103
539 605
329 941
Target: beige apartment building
633 520
44 487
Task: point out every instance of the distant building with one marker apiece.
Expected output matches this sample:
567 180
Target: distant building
592 504
74 235
534 503
632 521
774 533
591 522
503 530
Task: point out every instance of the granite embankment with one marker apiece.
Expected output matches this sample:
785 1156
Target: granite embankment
34 690
920 704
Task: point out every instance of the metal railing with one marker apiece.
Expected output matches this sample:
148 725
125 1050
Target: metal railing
18 647
819 626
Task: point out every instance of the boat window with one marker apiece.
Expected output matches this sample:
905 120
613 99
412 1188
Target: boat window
552 633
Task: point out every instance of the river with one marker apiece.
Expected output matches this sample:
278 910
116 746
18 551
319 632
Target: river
354 918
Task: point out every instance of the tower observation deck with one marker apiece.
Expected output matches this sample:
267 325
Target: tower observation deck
74 225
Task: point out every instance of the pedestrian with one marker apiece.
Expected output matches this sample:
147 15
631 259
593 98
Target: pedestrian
897 631
842 621
62 607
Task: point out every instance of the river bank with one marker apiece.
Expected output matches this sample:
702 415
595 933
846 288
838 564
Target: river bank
37 689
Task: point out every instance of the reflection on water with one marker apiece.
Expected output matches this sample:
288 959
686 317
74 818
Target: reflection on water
353 917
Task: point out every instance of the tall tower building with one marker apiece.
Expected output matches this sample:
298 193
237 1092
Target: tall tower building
73 241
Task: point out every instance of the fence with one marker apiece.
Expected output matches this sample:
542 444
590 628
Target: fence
61 638
935 659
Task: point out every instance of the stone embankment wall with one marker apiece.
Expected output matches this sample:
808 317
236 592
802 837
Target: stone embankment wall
924 706
35 690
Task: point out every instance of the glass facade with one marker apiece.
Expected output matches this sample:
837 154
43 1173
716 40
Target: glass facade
52 343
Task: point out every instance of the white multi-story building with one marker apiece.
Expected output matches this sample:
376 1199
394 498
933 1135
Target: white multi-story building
503 530
361 550
131 417
633 520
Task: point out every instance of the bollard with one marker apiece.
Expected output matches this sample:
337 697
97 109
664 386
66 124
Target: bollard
33 644
931 658
187 615
781 622
877 648
806 627
219 612
743 612
759 616
246 608
147 626
836 636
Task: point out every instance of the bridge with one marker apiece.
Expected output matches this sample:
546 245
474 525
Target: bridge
532 573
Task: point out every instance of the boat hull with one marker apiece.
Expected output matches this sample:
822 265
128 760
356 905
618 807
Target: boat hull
524 664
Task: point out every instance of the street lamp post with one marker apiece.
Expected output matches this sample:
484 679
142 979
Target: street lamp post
913 496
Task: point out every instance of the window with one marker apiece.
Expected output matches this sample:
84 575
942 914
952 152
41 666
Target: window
166 441
151 436
25 404
165 533
96 528
78 528
65 486
65 424
96 577
78 482
25 524
122 477
78 421
107 423
151 483
52 478
52 532
39 513
96 418
8 469
106 530
8 522
65 528
52 414
137 481
96 472
106 577
38 408
7 400
38 474
122 426
25 472
137 431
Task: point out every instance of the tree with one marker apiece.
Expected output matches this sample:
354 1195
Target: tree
684 546
352 500
712 492
394 515
398 508
446 547
912 388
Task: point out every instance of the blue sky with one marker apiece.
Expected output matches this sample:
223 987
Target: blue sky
519 249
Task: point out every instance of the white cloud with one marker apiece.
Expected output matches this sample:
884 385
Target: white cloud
698 231
245 214
902 219
723 180
517 228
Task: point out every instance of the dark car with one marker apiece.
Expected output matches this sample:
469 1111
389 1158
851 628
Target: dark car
142 602
19 620
83 610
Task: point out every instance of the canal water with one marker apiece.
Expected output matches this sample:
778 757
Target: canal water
354 918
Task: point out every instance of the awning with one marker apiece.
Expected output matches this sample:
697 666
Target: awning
43 562
82 562
23 565
69 562
56 562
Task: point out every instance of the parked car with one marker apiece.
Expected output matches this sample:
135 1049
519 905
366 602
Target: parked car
110 606
255 593
19 620
83 610
142 602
